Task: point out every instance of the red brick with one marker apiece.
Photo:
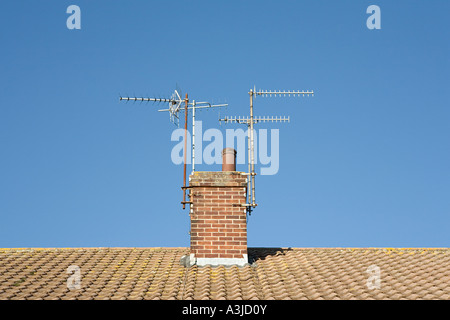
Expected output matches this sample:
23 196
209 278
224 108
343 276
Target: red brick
218 223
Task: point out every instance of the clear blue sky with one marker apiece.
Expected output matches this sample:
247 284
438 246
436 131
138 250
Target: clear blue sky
364 163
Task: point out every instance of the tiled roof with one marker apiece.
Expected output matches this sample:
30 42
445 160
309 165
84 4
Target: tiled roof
274 273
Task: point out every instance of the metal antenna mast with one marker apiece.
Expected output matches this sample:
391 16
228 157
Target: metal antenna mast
250 121
175 103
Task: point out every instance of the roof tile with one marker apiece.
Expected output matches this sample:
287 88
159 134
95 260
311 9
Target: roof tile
274 273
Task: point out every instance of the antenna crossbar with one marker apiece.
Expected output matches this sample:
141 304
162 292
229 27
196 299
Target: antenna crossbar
247 120
146 99
283 92
199 107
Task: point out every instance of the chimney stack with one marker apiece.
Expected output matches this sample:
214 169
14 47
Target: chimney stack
218 215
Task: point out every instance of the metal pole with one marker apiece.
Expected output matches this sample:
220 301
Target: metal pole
193 136
252 148
249 182
185 148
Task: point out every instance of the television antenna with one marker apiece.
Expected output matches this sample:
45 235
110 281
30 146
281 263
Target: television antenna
250 121
175 102
175 107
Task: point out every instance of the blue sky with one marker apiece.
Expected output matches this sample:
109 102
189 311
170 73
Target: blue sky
364 163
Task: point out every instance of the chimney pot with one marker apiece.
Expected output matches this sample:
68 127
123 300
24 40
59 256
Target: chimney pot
229 159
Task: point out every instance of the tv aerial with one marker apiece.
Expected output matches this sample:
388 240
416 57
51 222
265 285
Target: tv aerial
250 121
175 101
175 106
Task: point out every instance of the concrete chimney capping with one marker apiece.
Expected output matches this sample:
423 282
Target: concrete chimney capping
218 219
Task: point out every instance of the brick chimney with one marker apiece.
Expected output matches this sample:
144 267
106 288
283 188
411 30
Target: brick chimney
218 219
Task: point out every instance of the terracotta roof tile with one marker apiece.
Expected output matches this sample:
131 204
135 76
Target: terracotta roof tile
274 273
